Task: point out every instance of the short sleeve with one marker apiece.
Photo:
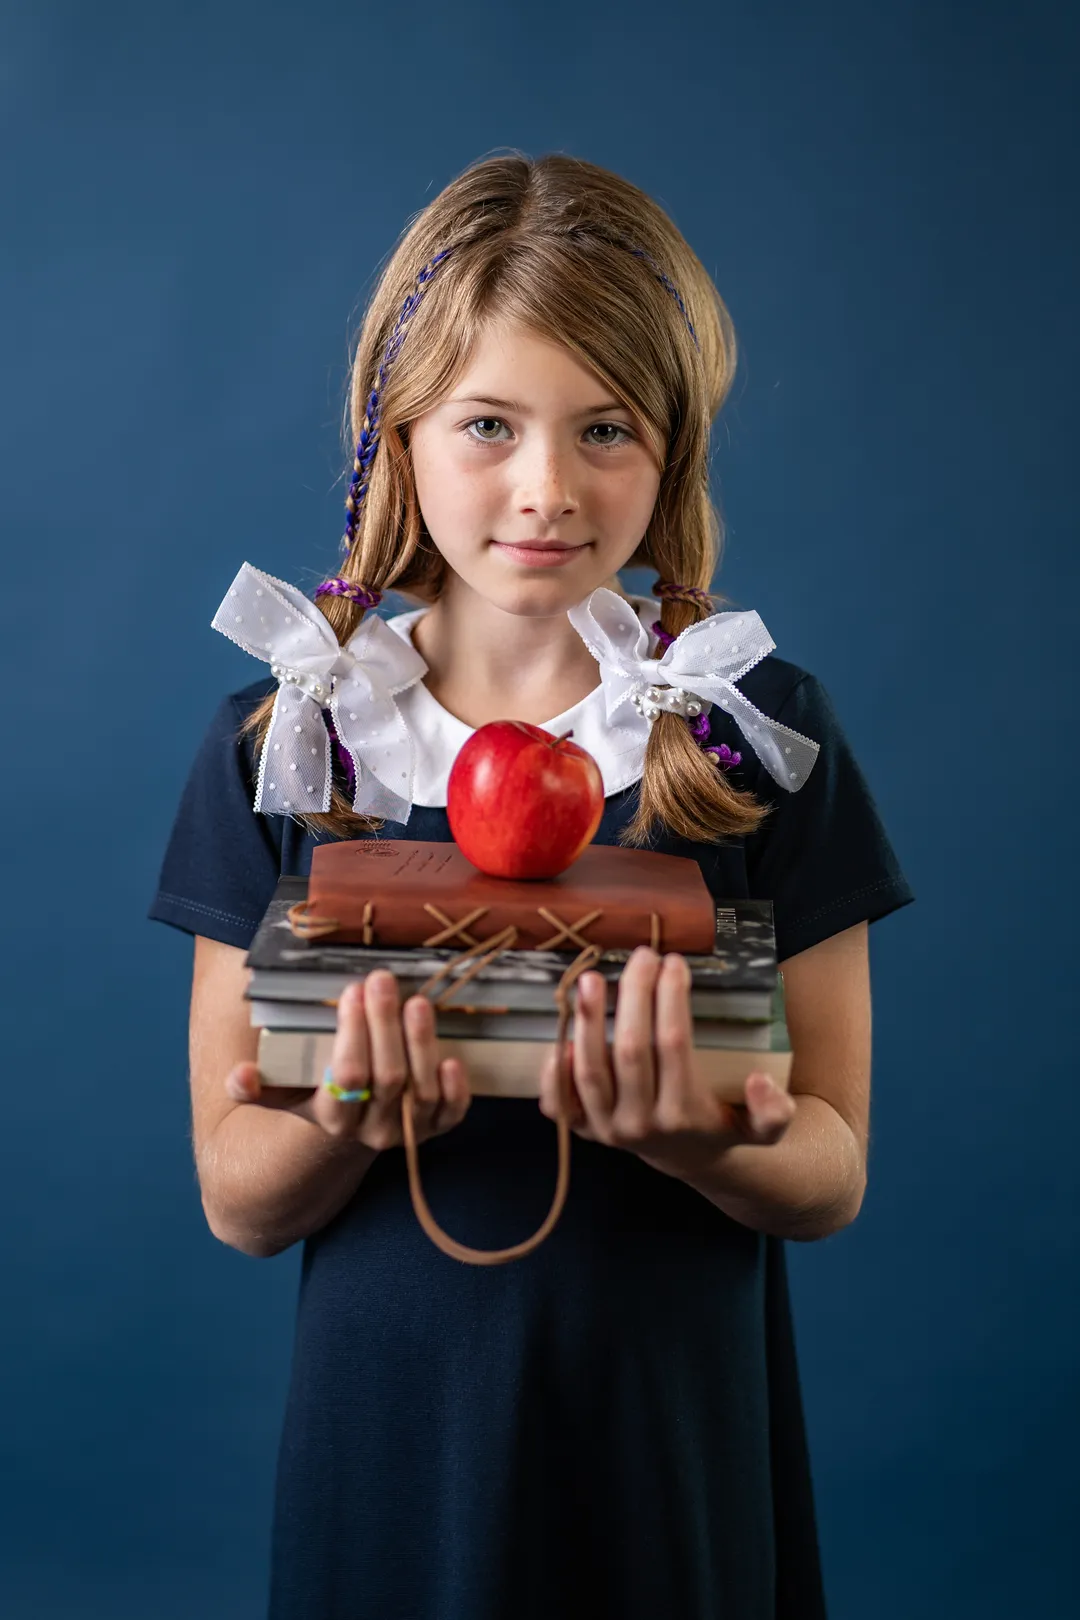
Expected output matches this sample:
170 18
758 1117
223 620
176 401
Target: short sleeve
222 861
822 856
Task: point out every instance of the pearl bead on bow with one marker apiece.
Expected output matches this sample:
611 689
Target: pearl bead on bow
666 699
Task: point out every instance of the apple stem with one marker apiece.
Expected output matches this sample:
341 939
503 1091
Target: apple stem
563 738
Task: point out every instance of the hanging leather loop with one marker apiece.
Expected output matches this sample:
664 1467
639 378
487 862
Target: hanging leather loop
497 1257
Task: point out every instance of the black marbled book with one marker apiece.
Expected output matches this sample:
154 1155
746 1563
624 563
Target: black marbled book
736 980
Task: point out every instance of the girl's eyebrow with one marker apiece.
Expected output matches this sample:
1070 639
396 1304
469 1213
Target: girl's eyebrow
512 404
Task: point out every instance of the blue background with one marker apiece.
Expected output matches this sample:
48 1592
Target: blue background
195 201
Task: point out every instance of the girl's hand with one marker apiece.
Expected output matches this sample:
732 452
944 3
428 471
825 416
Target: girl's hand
641 1093
377 1046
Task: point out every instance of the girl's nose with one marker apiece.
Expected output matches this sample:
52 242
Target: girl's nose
546 487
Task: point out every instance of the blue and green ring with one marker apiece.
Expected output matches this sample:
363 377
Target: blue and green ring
331 1085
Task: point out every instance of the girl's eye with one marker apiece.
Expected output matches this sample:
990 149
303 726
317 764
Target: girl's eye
486 429
484 423
610 427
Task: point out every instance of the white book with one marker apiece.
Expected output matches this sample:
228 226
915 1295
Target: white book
504 1068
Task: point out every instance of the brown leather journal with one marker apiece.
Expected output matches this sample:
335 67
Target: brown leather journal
403 892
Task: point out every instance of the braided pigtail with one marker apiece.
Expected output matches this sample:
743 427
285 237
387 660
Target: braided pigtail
684 785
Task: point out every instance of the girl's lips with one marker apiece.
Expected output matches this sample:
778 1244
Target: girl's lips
540 558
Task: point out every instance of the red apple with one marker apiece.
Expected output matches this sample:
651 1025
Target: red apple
522 803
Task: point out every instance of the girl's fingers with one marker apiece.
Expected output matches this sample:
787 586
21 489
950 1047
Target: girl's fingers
440 1087
422 1050
592 1071
389 1059
770 1110
350 1066
454 1096
549 1087
674 1045
632 1045
243 1085
377 1048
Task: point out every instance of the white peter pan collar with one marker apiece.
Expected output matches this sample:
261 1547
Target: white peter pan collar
437 735
403 742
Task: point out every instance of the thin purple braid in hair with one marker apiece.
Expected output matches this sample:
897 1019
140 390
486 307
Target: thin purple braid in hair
345 587
343 756
639 253
368 442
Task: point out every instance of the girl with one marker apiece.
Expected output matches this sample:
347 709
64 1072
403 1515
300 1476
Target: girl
611 1426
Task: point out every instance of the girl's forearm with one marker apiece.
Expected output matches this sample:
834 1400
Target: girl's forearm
808 1185
270 1178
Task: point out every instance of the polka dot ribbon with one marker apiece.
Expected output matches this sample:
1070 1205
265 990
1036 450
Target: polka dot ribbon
700 666
357 683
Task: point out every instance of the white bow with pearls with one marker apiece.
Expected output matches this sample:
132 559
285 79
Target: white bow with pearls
358 682
700 666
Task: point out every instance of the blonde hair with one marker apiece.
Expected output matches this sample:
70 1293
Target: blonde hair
578 255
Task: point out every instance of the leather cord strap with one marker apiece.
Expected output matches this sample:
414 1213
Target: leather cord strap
497 1257
307 927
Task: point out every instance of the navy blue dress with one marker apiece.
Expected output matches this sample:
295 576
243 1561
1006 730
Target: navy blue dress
611 1428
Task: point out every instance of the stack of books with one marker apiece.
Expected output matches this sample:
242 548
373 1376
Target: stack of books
502 1022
